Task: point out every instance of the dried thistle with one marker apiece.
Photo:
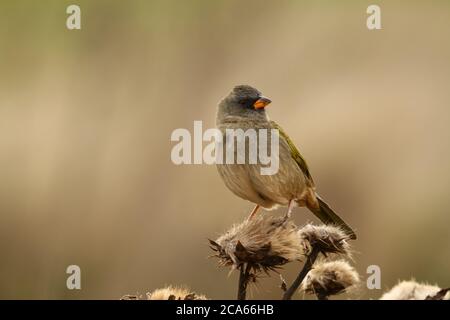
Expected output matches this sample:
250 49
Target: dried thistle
412 290
443 294
264 243
131 297
174 293
326 238
283 285
330 278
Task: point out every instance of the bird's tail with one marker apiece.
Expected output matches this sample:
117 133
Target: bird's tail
328 216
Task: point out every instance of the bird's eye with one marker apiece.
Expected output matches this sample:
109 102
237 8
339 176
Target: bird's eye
246 102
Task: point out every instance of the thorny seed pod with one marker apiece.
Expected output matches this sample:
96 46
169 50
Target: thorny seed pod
412 290
173 293
330 278
264 242
327 238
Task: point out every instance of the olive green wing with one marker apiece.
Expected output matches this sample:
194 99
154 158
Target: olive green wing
294 152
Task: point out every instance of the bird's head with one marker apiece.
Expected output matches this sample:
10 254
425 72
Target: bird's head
248 98
244 102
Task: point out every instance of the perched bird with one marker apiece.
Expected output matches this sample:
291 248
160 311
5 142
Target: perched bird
292 185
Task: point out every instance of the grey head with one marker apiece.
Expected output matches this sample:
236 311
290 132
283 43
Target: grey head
243 101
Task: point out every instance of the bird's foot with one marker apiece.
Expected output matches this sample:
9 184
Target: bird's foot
290 208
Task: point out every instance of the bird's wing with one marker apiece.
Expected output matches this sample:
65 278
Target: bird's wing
294 152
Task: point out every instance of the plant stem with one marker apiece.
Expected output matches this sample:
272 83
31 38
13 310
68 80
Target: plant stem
306 268
244 274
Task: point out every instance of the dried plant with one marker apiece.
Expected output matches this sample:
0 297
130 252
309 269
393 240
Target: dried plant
131 297
311 258
327 238
443 294
412 290
266 242
263 243
330 278
174 293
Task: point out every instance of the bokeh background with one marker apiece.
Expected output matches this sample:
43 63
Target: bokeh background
86 118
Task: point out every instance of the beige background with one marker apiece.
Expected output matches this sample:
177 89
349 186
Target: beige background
86 118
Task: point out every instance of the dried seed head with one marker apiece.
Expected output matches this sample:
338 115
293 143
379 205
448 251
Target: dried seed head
411 290
327 238
131 297
443 294
330 278
265 242
173 293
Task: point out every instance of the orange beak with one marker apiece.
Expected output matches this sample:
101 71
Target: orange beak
261 103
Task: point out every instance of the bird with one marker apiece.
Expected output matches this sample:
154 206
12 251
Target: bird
292 185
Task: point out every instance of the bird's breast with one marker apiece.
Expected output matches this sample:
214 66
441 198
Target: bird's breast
247 181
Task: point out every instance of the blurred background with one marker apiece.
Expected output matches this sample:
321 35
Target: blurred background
86 117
